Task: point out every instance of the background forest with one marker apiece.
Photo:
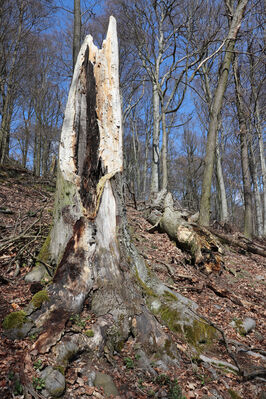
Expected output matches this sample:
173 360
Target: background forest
172 60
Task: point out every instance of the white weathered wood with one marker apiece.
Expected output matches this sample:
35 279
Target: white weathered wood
106 71
105 66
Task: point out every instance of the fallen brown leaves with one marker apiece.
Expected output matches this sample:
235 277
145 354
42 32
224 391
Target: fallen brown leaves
238 293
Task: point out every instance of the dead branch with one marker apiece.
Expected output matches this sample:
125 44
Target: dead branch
223 293
254 374
14 239
249 246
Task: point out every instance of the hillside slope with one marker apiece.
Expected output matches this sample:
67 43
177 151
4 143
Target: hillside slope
224 300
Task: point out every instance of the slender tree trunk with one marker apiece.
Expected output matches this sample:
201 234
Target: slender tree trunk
26 148
263 171
215 112
136 183
5 128
221 187
222 201
164 153
244 153
257 199
53 166
155 141
145 167
45 156
37 151
25 145
260 137
34 151
262 162
77 31
9 96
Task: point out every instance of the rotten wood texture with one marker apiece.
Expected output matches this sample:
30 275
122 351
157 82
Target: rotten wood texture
205 249
89 241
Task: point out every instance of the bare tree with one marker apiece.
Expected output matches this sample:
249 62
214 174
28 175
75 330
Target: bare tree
236 16
160 33
76 31
78 19
208 98
257 83
18 19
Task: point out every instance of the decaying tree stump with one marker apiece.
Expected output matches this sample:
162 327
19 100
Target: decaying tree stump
204 248
89 242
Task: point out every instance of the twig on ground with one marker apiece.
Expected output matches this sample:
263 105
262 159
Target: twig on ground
13 239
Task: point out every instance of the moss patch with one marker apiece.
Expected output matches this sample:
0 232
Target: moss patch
44 254
171 317
147 290
14 320
89 333
199 334
169 295
233 394
61 369
239 327
39 298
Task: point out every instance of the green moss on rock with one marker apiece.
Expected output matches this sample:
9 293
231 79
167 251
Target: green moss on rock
171 317
147 290
89 333
199 334
39 298
239 327
14 320
61 369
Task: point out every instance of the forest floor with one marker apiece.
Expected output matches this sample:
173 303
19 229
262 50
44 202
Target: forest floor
26 205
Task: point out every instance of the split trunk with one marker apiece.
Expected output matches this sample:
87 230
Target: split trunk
89 242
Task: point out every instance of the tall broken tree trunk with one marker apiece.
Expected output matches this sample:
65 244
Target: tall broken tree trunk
89 242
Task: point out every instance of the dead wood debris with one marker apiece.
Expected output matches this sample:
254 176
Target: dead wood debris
207 291
249 246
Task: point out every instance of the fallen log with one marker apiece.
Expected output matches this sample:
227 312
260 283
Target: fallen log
249 247
204 248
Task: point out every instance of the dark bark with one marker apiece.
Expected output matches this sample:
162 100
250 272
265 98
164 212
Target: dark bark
77 31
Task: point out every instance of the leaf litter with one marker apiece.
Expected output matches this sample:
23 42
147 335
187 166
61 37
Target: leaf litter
27 204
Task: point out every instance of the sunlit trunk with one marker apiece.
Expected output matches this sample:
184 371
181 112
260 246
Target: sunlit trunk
215 112
243 132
